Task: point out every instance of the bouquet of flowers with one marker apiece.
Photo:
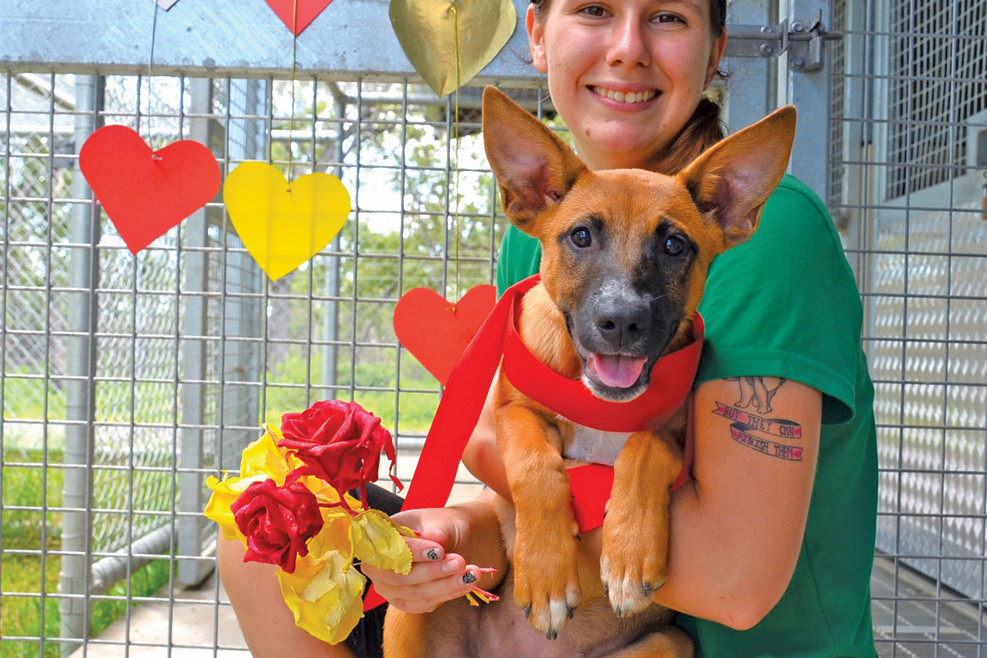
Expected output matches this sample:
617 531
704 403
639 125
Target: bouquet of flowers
290 507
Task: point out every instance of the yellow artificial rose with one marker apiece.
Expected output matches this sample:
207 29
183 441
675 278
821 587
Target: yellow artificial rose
325 594
224 494
378 541
327 494
264 456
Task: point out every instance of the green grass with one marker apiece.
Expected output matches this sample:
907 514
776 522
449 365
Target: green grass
25 396
415 412
21 575
20 613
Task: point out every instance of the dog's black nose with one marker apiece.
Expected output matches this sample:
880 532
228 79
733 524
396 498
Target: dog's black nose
621 324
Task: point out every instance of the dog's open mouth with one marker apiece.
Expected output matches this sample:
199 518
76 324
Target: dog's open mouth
615 370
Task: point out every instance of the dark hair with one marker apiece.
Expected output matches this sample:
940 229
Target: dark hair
705 127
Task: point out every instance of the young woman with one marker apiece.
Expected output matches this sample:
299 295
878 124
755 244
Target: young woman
772 540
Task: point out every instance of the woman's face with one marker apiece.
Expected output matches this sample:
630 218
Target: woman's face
625 75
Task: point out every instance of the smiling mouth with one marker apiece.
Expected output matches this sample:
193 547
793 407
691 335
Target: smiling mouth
630 97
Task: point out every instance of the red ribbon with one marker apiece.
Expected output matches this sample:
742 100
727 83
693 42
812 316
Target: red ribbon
465 393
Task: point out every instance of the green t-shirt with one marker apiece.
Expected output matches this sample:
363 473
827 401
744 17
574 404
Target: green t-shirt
785 304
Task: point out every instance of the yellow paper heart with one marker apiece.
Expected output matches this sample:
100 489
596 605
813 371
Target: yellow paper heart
283 225
431 30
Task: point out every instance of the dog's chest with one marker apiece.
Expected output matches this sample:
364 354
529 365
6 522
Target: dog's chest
593 445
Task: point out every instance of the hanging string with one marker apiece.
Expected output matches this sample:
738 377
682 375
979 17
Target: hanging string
150 62
455 153
294 67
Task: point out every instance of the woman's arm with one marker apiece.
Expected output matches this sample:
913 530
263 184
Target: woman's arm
481 456
267 624
737 526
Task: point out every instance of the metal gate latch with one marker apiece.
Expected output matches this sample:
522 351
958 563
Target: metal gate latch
803 40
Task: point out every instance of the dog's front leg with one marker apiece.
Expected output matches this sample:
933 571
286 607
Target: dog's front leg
546 582
634 560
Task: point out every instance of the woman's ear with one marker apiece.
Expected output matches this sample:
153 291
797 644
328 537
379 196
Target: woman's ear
715 56
536 41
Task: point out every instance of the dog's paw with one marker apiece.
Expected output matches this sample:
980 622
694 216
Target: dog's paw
546 583
634 562
628 589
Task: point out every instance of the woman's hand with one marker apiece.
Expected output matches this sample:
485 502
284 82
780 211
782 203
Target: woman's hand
436 575
452 554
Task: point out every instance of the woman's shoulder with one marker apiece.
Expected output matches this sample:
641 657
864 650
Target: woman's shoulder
799 205
794 189
795 218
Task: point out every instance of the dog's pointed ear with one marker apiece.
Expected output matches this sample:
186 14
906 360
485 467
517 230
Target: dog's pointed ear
731 181
534 168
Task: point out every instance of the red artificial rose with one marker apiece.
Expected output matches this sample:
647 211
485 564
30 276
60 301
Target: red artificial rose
277 522
339 442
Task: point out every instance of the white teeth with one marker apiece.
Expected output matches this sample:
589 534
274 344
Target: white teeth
628 97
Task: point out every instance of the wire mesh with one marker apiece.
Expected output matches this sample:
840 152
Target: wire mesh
906 184
937 78
126 380
188 347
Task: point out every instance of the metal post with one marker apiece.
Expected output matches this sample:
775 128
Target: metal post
190 524
857 181
807 87
244 313
80 389
752 76
330 320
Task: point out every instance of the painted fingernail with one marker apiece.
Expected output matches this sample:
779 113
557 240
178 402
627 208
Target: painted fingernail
432 554
469 578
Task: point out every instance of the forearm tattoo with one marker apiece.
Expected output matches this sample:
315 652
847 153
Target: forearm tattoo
757 430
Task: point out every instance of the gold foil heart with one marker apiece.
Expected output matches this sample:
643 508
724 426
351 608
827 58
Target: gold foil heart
436 33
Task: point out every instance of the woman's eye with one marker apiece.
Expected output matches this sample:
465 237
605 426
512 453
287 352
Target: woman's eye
581 238
593 10
674 245
667 18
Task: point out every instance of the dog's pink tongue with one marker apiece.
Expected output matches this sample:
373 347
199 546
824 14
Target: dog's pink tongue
617 371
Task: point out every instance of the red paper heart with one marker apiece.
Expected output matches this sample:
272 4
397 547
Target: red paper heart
143 193
435 331
297 12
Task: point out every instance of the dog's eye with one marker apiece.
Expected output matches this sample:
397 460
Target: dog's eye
581 237
674 245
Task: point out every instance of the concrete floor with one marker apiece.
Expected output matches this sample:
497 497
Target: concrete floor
908 622
911 618
193 623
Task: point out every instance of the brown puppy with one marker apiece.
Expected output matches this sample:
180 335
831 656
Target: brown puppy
624 260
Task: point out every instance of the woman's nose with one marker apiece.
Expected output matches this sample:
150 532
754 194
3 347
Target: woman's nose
628 43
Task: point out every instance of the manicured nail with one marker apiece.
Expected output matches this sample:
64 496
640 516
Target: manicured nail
469 578
432 554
